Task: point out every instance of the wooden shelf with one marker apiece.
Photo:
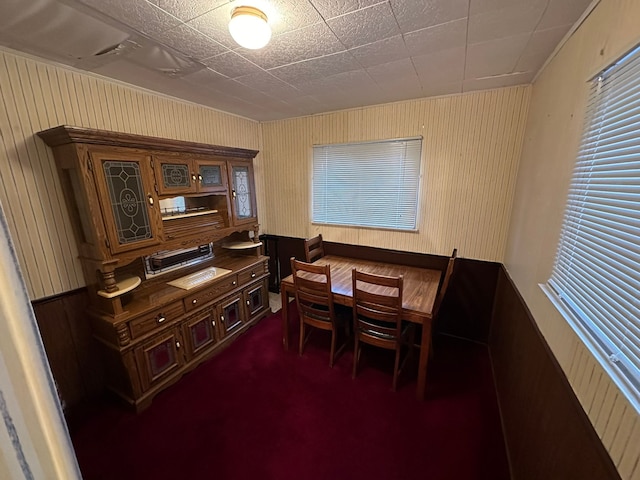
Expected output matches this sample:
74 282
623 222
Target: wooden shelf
125 285
241 245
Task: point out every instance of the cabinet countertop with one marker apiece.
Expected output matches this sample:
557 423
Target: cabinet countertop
156 293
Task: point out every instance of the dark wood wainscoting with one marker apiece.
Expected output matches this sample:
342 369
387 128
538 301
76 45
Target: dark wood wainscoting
548 434
66 336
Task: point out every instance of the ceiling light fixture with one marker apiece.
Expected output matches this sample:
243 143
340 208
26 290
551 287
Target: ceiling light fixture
249 27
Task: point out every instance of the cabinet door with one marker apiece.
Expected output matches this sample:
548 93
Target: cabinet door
231 314
199 333
243 201
158 358
127 198
174 176
211 175
256 299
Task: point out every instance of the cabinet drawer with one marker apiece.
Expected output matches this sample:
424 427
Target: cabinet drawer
250 274
146 323
224 285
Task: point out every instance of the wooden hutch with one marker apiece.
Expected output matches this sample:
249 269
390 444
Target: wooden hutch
134 198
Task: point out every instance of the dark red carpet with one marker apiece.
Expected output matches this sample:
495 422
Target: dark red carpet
258 412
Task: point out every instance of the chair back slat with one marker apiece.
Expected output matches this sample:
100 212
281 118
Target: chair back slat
312 285
377 304
313 249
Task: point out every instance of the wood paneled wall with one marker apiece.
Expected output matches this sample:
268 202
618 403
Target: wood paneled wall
554 128
470 156
35 96
547 433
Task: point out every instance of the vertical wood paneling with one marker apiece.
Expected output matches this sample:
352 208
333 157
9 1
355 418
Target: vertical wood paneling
470 154
554 128
35 96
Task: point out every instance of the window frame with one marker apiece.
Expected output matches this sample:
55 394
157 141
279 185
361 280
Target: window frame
612 338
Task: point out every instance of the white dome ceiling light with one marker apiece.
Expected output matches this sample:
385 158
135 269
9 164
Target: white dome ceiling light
249 27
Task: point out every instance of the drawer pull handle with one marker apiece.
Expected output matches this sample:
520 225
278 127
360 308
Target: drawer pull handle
222 318
200 178
193 177
234 283
194 301
177 344
161 318
150 200
248 303
253 274
213 322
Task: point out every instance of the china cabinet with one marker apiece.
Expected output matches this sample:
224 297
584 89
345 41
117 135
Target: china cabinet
149 215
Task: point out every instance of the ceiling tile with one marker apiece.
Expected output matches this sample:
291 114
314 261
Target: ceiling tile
439 37
287 15
190 42
412 15
215 24
445 66
355 79
386 72
185 11
434 90
541 44
302 72
495 57
308 42
267 83
231 65
498 82
204 78
142 16
510 21
560 12
403 87
333 8
380 52
483 6
365 26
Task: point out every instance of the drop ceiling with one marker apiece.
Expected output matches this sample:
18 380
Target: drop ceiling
324 55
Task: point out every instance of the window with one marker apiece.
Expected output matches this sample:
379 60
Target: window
596 275
372 184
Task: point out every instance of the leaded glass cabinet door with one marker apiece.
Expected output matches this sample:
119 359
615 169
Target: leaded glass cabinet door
200 333
211 175
174 176
159 358
256 299
243 201
231 315
128 200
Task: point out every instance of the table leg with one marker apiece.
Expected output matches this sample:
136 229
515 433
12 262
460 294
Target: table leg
425 344
284 295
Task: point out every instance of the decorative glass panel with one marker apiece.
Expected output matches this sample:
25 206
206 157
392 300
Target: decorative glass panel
211 175
231 315
126 193
201 333
161 358
175 175
243 192
255 300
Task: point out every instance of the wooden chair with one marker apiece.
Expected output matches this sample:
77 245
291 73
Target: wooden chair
313 248
442 290
315 303
377 317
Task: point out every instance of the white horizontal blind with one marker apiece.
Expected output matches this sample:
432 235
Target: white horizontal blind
373 184
597 269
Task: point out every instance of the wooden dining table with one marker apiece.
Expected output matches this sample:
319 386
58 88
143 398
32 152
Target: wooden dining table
420 290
